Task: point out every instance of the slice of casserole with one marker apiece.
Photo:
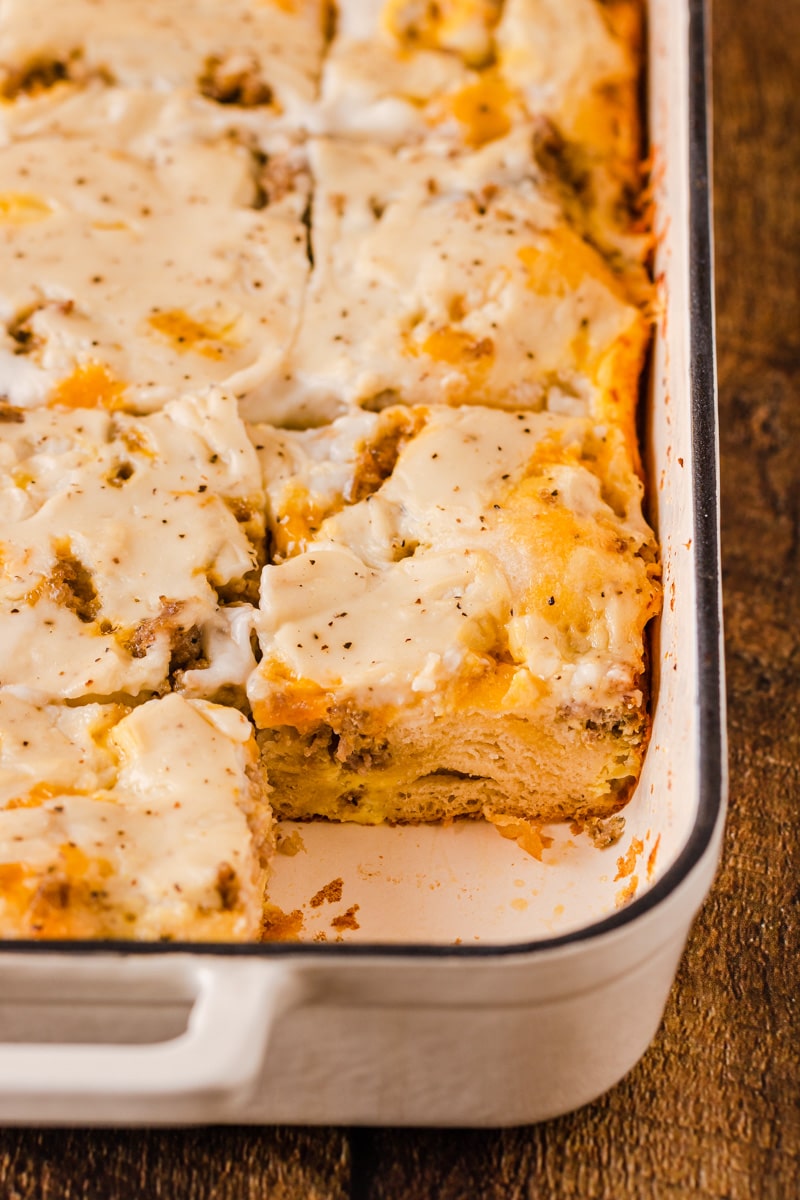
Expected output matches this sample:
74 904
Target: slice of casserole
578 66
439 281
395 66
259 56
458 76
148 823
454 619
138 265
128 549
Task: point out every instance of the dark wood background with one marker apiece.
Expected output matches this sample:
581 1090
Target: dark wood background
713 1110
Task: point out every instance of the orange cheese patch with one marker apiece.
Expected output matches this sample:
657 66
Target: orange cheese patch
560 266
482 109
36 797
297 521
91 385
617 375
185 333
19 208
458 349
297 702
60 902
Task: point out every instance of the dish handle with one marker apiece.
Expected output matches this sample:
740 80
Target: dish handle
204 1074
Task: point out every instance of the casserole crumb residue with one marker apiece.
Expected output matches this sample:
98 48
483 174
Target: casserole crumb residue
331 893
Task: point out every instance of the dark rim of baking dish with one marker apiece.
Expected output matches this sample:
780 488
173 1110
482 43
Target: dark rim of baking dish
710 693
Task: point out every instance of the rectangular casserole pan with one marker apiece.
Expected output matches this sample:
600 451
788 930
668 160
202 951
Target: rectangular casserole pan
481 987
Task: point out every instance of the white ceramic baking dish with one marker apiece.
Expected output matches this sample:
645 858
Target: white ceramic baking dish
480 987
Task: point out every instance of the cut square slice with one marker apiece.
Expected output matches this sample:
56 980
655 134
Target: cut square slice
243 56
437 281
393 68
565 73
139 270
150 824
460 629
128 548
578 66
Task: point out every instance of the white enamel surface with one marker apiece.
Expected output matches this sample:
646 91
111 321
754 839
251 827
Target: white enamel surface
451 1040
211 1062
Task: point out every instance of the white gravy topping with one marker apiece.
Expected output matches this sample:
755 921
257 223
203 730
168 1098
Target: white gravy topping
242 55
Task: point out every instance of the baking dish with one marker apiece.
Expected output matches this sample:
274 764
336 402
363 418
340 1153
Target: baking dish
473 984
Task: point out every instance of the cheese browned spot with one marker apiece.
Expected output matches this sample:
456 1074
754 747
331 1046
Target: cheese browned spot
235 79
147 823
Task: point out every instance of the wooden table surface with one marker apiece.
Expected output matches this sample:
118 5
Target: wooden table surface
713 1110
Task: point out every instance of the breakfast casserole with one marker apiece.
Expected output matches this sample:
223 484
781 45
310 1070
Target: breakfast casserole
322 329
494 300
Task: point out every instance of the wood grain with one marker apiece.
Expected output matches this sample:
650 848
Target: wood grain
713 1110
223 1164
